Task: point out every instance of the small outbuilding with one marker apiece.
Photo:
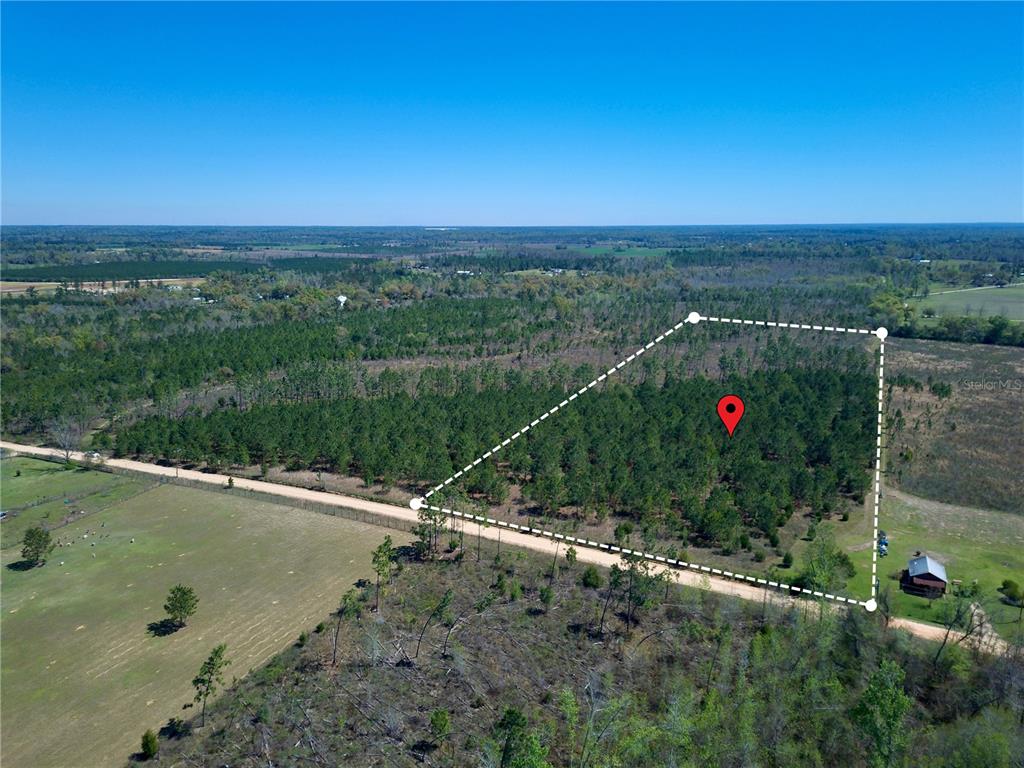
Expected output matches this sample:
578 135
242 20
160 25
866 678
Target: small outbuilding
924 576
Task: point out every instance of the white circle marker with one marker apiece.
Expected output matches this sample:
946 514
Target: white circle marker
415 503
871 605
882 333
693 318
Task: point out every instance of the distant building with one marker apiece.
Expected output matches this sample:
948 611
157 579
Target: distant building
341 301
925 577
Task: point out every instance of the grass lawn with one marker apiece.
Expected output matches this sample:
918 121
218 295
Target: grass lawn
44 480
1008 301
973 544
76 648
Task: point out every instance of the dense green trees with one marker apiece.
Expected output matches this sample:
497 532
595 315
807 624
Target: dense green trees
102 373
654 452
880 714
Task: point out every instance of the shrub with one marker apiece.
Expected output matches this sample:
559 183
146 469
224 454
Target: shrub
591 577
787 560
150 745
547 595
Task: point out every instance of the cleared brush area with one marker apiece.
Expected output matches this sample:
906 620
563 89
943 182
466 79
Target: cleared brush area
955 422
515 670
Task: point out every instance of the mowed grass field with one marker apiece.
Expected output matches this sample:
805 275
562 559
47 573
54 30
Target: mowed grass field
1008 301
82 676
34 493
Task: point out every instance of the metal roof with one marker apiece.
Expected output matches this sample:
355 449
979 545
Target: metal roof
924 565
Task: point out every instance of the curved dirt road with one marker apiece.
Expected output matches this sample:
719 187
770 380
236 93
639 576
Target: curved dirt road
406 514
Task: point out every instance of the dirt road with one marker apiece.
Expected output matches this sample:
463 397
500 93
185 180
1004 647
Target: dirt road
515 538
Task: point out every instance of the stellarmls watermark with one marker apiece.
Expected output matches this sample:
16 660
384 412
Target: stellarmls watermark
1002 385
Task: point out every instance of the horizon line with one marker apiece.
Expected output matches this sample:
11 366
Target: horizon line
546 226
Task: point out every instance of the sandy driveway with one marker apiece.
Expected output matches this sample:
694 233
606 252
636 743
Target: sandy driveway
586 554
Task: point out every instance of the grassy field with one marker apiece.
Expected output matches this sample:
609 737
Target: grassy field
76 647
1008 301
963 448
31 481
620 250
35 492
973 544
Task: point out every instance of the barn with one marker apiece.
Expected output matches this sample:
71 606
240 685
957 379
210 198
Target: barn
924 576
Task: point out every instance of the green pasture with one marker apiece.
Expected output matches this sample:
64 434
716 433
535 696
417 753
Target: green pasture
41 481
1008 301
77 649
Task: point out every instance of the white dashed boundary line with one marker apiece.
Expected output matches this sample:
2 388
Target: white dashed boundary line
692 318
637 553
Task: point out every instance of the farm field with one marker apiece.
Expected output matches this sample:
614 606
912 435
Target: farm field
1008 301
25 481
168 272
77 649
35 492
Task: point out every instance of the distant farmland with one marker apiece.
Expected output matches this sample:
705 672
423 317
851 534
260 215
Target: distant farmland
156 270
986 302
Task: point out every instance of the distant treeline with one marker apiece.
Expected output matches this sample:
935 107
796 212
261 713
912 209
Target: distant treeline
44 376
41 244
972 330
125 271
655 453
518 262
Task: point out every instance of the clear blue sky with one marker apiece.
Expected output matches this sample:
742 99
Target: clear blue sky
511 114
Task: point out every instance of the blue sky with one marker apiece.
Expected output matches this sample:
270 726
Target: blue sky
511 114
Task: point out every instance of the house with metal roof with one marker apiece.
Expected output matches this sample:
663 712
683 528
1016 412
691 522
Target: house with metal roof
924 576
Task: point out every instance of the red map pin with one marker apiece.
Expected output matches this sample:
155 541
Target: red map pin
730 411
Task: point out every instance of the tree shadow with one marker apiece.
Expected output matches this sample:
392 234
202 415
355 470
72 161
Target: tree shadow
423 747
21 565
406 552
176 728
163 628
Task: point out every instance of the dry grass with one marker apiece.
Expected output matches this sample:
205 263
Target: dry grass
964 449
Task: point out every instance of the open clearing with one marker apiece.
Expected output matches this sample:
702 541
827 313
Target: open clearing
34 492
95 286
77 652
963 448
986 302
974 544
